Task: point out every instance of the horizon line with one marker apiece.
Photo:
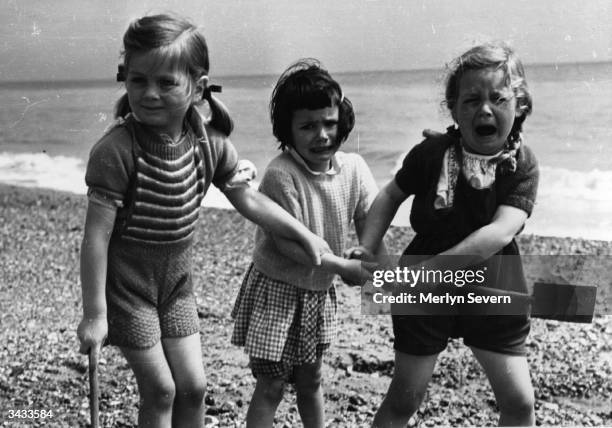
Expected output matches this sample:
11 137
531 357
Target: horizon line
105 81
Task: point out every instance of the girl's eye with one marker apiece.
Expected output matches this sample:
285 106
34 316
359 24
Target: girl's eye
471 100
331 123
168 83
137 80
500 100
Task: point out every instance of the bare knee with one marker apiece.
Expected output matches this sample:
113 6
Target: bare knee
192 393
308 382
160 394
271 389
405 402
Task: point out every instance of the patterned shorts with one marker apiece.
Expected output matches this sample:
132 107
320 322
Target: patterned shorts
279 369
149 300
281 323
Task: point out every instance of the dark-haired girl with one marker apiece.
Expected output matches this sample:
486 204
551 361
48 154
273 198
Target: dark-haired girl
285 313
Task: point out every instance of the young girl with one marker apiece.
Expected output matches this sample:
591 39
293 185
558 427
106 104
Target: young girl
473 189
285 310
147 177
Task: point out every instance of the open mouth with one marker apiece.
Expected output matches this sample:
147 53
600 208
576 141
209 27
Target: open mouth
485 130
324 149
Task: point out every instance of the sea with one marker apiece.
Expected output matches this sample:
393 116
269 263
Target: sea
48 128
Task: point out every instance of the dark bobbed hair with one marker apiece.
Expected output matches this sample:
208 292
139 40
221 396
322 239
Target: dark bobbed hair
176 41
498 56
307 85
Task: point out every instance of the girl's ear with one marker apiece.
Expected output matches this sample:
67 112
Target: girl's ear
201 85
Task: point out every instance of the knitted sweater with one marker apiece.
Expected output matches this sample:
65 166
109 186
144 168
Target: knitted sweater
420 173
326 203
158 186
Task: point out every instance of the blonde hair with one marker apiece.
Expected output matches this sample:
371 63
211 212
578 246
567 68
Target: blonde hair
176 41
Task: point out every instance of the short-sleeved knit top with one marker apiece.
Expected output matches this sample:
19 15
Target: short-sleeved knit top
158 185
440 229
419 176
326 203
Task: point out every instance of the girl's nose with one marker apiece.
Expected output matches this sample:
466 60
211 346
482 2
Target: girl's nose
151 91
323 134
485 109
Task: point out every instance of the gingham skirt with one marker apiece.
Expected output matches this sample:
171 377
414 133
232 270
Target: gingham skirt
277 321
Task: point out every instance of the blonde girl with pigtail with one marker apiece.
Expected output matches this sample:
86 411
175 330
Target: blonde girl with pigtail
474 187
146 178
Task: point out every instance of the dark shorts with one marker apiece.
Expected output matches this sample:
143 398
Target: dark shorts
279 369
428 335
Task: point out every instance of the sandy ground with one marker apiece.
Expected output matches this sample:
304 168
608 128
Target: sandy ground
40 369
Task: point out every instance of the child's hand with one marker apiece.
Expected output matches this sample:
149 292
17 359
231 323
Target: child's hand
357 272
245 173
430 133
360 253
315 247
91 333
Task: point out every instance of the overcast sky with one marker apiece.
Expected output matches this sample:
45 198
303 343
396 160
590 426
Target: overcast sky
81 39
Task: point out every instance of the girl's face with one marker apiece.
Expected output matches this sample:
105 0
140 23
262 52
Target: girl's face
485 110
159 95
314 136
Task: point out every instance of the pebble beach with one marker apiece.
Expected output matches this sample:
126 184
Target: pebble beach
41 369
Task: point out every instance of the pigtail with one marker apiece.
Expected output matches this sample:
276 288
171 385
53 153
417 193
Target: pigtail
506 161
122 107
220 118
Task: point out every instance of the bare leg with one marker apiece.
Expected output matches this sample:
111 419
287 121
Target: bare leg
408 386
266 398
184 355
511 384
310 394
155 385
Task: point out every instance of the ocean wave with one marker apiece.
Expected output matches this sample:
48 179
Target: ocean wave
595 185
570 203
41 170
67 173
64 173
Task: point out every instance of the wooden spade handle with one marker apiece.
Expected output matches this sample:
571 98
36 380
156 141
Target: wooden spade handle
94 388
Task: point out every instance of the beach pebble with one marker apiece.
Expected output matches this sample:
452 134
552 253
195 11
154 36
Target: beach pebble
211 421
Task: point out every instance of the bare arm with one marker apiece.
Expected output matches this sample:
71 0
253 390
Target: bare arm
360 228
353 271
476 247
489 239
260 209
486 241
379 217
99 224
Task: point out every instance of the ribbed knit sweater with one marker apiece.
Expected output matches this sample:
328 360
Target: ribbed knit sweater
159 185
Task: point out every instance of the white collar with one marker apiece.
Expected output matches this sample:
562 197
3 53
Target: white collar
480 157
333 170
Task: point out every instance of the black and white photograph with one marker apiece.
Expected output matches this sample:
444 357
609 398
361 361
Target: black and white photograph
274 213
